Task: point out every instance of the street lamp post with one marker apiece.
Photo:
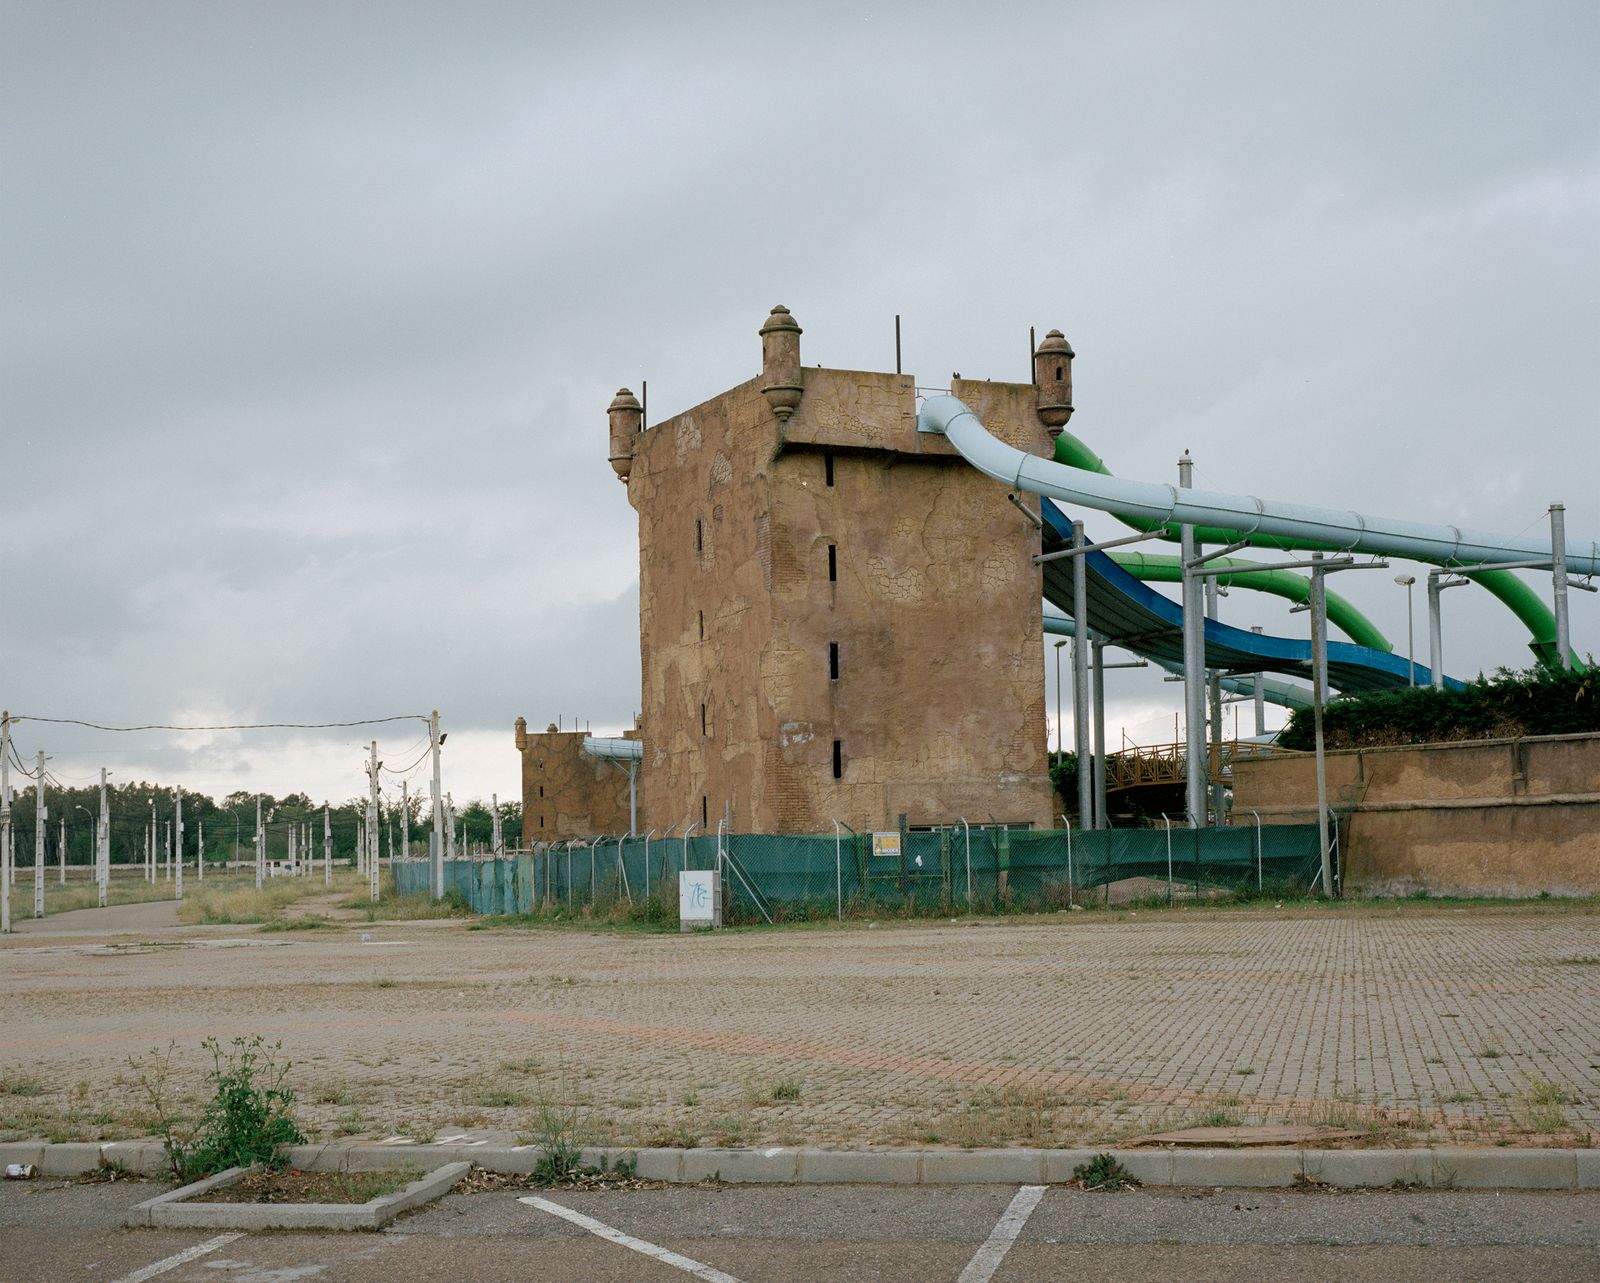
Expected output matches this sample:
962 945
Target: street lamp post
1405 581
1059 645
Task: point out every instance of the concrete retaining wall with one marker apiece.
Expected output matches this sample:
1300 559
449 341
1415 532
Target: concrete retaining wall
1516 817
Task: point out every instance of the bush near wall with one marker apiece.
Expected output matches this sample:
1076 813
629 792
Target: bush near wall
1536 701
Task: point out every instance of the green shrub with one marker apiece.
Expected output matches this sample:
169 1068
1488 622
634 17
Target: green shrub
1535 701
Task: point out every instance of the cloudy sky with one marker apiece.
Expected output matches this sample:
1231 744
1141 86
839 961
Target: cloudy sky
310 314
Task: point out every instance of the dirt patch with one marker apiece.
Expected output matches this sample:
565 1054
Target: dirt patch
480 1180
290 1186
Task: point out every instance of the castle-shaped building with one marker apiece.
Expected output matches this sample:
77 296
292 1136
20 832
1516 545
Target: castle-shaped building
839 618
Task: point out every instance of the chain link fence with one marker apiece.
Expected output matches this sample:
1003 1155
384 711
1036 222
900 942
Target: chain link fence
826 875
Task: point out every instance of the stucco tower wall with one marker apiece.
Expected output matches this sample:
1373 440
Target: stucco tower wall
566 793
933 605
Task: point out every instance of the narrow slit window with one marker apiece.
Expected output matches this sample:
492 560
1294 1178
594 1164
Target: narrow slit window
833 563
827 468
838 759
702 615
541 790
833 660
541 821
702 719
1058 373
705 812
699 535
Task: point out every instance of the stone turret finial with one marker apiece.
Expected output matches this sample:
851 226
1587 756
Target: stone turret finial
626 415
522 734
780 362
1052 381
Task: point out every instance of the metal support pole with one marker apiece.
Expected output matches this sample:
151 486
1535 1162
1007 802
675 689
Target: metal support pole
177 844
436 842
633 797
1558 569
61 852
1100 819
1168 823
1080 681
1194 650
261 846
373 823
495 835
1435 633
5 822
1319 682
1214 702
327 847
1259 694
103 844
1060 725
41 813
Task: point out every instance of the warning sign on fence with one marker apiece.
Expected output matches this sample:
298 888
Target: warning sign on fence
886 845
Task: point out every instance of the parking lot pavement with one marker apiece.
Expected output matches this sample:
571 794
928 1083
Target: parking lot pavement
1440 1026
55 1231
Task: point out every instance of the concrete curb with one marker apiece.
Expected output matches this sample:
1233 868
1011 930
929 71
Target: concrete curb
1441 1168
172 1210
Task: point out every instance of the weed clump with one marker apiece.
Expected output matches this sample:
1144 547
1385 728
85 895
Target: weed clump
246 1120
1103 1172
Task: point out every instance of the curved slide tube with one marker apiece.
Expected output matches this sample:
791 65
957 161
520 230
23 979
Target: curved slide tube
1516 595
614 750
1245 515
1155 567
1135 615
1275 690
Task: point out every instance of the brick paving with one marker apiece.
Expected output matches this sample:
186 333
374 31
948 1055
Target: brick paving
1415 1024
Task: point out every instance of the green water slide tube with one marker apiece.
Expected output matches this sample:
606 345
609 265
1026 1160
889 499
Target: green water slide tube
1155 567
1523 602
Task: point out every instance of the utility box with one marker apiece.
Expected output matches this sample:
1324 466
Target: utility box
699 900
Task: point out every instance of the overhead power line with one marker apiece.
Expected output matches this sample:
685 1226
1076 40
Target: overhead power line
242 726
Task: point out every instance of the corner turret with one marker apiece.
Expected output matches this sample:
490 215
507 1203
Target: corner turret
1052 381
626 417
780 362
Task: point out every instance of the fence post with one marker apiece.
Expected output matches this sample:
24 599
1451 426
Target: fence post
1169 858
1258 852
1069 860
968 828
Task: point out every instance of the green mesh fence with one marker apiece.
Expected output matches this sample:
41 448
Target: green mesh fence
943 867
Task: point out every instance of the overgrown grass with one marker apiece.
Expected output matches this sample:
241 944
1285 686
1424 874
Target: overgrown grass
244 904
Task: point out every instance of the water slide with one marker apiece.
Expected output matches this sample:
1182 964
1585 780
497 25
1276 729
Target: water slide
1153 622
1273 689
1522 600
1133 615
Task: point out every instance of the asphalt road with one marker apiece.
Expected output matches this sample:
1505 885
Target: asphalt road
58 1231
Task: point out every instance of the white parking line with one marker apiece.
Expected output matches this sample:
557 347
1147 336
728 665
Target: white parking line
602 1230
179 1258
981 1268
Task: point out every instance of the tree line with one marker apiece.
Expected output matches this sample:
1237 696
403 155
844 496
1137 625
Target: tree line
230 824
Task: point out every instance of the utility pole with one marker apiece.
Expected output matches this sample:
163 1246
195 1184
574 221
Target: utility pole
1319 680
1214 693
177 849
40 814
103 844
372 822
1194 667
5 821
260 845
494 803
436 842
61 851
405 822
450 827
327 847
